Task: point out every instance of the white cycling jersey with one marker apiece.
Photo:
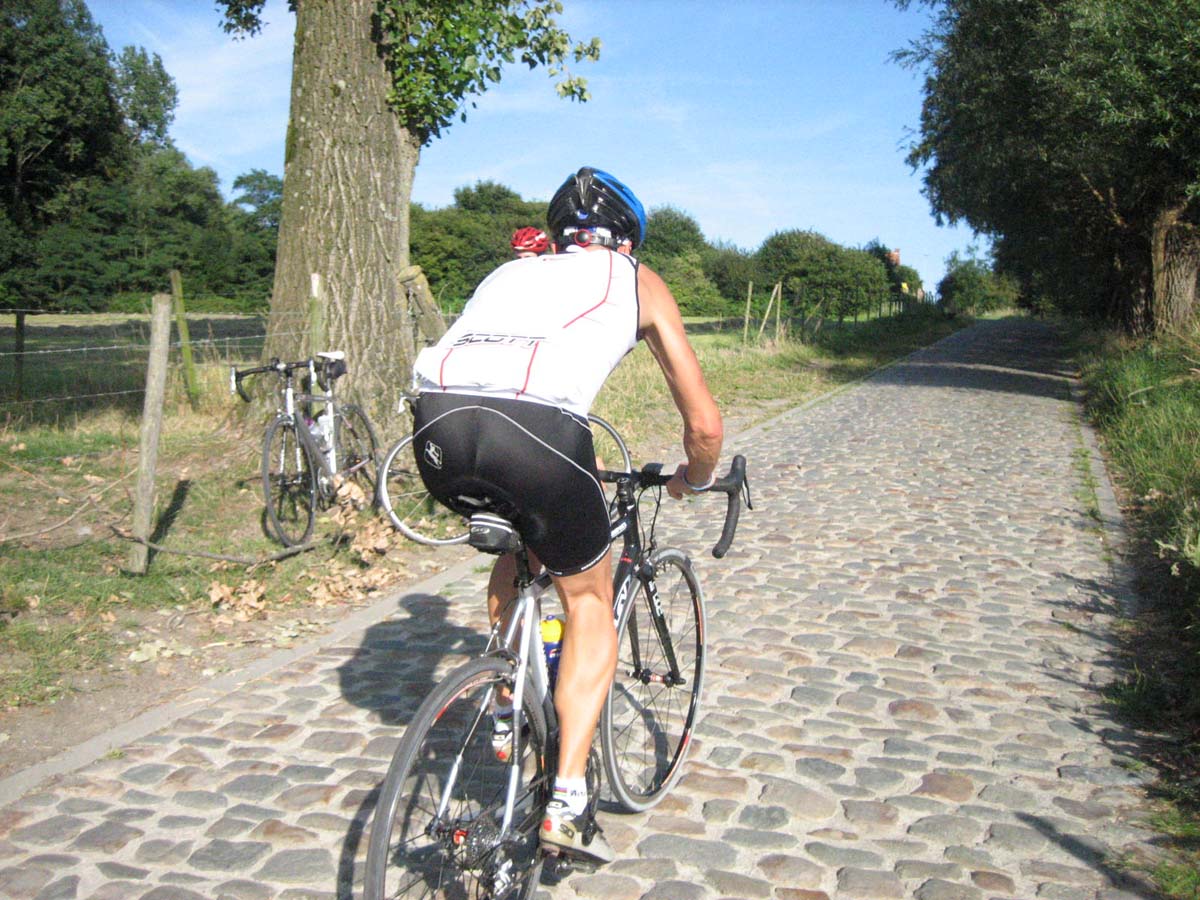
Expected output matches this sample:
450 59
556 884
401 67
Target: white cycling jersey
549 329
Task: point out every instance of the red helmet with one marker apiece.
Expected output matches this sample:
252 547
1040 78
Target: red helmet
531 240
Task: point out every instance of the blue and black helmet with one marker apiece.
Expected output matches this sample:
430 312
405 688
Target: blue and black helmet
591 199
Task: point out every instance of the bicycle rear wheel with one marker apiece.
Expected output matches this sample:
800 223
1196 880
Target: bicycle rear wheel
647 721
357 449
289 484
436 830
402 496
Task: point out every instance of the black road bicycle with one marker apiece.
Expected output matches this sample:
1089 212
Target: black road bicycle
309 454
455 821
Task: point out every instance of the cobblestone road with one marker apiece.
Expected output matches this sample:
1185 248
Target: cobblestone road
906 649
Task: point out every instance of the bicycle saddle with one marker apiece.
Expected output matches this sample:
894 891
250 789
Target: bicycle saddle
493 534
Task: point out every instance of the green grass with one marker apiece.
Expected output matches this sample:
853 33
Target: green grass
1144 398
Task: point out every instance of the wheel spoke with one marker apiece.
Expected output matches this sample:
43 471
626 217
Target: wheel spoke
648 719
446 762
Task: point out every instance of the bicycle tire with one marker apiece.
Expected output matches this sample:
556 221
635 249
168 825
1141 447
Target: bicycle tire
414 852
289 484
357 447
404 499
606 438
646 724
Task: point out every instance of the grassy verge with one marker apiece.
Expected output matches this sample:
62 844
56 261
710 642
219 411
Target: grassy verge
1144 398
67 606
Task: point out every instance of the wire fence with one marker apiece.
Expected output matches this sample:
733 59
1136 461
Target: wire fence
97 372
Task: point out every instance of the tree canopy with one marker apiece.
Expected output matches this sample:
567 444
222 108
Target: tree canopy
59 123
1068 131
95 201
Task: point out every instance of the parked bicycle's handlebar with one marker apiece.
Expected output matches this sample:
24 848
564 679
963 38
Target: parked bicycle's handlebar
275 365
734 484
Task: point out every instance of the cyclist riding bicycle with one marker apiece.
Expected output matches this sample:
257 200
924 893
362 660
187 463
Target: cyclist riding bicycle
501 423
529 241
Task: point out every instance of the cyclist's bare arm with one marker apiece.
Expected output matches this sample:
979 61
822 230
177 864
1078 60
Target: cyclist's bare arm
662 327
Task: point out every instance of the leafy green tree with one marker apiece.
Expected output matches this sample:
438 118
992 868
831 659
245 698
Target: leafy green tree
799 261
59 125
261 196
732 269
146 94
819 275
670 232
970 286
675 248
253 218
693 290
458 246
1067 130
173 207
373 81
491 199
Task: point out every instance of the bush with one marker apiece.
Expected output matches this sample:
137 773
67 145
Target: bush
970 286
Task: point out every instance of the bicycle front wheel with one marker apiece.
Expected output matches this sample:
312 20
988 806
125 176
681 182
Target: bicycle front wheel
411 508
289 484
437 828
647 721
357 449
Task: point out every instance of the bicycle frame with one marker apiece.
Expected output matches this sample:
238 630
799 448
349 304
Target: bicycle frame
326 458
520 639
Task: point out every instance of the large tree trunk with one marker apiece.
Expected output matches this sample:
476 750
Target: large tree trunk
1130 285
1175 257
348 175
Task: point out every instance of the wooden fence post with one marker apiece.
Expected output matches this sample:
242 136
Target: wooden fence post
316 317
185 341
776 292
19 357
746 318
152 410
778 315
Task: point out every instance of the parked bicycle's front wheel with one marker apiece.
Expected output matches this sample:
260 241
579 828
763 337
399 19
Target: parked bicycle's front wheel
289 484
647 721
404 499
357 449
437 829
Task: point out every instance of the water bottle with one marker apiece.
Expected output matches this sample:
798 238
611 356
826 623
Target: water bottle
552 632
323 429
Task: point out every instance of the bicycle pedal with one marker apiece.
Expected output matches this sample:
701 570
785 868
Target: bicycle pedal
559 866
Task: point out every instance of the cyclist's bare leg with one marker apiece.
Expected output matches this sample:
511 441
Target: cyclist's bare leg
587 663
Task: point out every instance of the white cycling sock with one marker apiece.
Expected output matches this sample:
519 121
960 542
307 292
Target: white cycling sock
572 792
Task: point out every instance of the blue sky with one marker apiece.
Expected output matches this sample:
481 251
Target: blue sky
753 116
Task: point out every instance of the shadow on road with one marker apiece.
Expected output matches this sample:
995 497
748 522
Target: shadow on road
397 664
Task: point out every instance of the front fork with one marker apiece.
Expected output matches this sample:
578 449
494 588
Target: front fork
672 677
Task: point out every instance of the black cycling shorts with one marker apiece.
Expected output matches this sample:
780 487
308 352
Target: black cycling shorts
528 462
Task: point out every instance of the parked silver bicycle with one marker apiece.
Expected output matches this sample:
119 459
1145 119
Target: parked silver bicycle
313 445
